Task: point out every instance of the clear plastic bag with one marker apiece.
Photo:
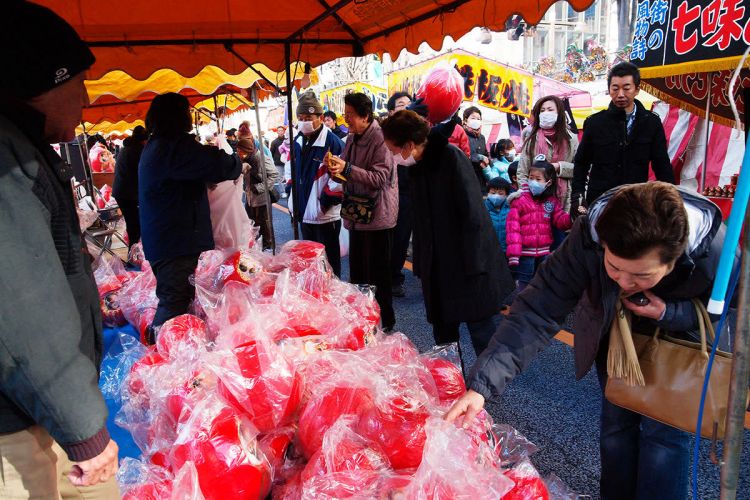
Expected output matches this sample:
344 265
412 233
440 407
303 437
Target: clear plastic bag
528 485
344 455
223 447
123 353
110 276
444 364
142 481
258 381
138 300
450 470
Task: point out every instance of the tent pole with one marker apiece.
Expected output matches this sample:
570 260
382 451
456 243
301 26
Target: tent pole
737 405
263 173
707 123
730 469
84 150
287 65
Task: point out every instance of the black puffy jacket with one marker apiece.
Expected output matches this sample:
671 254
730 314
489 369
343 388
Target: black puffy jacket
607 157
574 275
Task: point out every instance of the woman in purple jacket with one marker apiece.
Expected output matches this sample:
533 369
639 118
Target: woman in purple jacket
369 170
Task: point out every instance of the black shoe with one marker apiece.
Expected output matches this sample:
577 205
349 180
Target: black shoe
398 291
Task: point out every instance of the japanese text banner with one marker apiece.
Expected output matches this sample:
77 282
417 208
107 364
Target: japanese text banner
485 82
685 36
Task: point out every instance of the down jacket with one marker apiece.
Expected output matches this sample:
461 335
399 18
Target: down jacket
529 226
574 275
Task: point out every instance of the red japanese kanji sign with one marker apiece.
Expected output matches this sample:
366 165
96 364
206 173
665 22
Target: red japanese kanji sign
685 36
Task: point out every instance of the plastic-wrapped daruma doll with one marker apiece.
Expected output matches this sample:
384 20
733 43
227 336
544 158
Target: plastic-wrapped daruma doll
101 159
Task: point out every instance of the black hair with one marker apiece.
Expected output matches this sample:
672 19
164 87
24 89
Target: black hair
361 103
642 217
169 115
624 69
500 184
513 169
550 173
471 110
405 126
396 96
498 149
331 115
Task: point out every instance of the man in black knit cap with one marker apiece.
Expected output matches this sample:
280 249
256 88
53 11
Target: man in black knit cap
53 437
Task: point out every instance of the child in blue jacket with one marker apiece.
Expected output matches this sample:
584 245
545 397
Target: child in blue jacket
498 206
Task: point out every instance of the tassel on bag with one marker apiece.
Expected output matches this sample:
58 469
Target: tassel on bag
622 359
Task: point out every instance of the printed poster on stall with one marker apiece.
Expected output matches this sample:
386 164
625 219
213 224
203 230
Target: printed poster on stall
485 82
333 99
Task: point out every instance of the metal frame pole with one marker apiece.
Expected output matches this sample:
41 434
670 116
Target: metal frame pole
730 469
737 406
707 122
288 63
263 173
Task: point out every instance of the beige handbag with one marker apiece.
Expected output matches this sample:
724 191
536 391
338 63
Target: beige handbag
673 374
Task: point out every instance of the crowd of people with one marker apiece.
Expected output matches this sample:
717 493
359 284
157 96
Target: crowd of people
554 222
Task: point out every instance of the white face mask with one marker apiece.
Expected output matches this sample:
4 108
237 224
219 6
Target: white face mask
306 127
474 124
547 119
407 162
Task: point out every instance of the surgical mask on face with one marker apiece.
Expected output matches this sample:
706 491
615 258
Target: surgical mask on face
406 162
474 123
496 199
547 119
536 187
510 155
306 127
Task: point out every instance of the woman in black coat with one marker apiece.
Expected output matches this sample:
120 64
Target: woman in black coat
457 256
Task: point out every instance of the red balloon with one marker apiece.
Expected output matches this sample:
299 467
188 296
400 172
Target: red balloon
443 92
398 427
528 487
270 398
183 332
448 378
228 466
322 412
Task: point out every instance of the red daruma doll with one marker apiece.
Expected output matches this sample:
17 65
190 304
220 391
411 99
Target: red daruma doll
442 91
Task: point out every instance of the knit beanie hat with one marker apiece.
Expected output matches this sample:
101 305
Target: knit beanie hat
309 104
247 145
41 50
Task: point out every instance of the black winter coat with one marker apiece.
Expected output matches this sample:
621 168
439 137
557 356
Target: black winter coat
125 186
456 253
607 157
478 148
575 274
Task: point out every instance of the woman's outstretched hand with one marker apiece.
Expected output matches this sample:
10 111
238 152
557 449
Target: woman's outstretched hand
465 409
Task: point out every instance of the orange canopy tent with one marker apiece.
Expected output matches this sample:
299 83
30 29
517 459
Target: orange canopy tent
140 37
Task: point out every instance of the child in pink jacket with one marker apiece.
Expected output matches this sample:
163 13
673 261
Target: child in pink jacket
530 220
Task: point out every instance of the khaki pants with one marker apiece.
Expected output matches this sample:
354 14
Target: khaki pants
34 466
